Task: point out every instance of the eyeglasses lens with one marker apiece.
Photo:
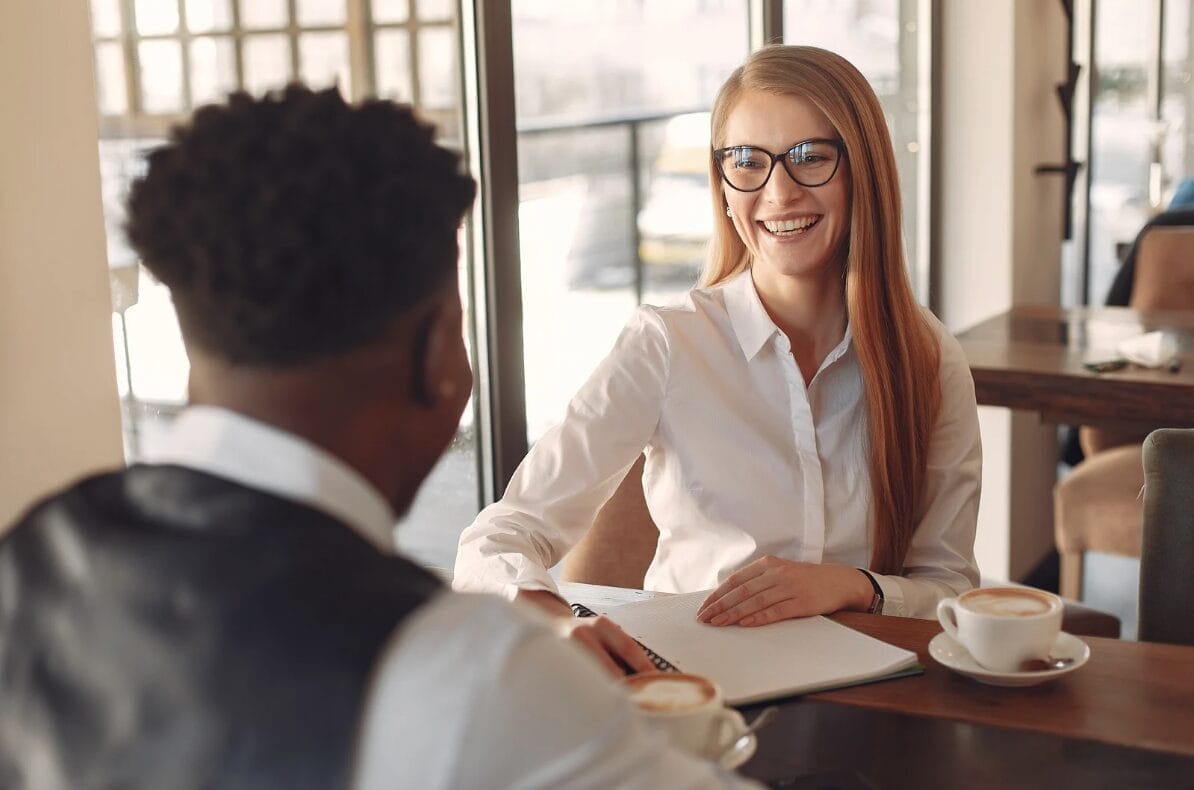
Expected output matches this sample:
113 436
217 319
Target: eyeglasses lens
811 163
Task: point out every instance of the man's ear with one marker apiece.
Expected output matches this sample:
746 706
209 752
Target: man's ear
428 350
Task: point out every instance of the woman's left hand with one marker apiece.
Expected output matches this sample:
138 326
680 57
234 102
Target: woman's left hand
771 589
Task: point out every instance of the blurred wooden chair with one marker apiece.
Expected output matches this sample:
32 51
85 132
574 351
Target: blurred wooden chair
1097 507
619 547
1167 557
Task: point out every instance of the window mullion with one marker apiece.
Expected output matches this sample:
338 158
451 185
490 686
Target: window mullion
360 49
132 60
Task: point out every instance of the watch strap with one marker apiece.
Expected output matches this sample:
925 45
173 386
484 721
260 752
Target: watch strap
876 606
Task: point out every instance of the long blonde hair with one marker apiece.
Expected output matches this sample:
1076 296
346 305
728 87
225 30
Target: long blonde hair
897 350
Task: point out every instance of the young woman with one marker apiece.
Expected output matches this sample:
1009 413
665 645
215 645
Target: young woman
811 433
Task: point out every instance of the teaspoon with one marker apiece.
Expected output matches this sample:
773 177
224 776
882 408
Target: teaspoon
1047 664
760 721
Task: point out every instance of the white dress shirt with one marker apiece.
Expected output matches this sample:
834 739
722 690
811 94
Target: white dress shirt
743 460
470 692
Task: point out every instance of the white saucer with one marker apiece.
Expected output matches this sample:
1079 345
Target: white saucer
741 752
949 653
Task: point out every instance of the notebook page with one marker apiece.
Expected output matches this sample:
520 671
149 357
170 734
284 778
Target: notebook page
750 664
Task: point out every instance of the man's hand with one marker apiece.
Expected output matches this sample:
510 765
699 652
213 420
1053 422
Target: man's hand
771 589
600 636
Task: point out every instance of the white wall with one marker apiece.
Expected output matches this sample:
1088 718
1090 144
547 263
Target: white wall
1000 229
59 411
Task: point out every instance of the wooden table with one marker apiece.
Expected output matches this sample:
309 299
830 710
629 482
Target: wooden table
1032 358
1126 719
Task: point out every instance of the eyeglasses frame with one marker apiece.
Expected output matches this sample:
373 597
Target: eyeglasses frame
838 144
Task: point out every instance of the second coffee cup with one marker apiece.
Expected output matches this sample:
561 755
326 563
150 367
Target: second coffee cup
1002 627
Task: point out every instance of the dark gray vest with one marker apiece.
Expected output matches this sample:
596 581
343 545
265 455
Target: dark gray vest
164 628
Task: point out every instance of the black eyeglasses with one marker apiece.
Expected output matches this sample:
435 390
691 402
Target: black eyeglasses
810 163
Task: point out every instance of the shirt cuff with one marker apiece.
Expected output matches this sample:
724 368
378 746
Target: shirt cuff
893 595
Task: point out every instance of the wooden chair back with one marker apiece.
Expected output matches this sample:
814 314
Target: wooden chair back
1164 278
620 545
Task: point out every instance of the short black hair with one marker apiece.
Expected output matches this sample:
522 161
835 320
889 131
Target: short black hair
295 226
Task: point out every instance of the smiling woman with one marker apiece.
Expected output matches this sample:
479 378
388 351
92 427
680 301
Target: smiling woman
810 433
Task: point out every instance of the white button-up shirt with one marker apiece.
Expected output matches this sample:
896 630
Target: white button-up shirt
470 691
743 460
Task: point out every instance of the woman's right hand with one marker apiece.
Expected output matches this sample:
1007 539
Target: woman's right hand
600 636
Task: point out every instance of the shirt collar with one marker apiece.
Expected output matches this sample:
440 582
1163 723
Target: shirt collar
255 454
749 318
754 326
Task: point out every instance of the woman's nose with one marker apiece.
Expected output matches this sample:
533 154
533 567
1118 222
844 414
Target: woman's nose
781 187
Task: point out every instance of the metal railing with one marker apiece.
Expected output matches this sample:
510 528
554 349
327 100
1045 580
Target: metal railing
633 124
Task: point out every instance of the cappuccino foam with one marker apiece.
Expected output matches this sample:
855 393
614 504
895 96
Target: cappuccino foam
1006 603
674 693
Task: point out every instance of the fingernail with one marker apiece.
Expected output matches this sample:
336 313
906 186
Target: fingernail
748 620
721 619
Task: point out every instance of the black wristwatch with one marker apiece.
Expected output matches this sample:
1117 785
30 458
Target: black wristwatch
876 606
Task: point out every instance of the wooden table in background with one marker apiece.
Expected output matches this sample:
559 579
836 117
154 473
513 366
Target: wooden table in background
1125 719
1031 358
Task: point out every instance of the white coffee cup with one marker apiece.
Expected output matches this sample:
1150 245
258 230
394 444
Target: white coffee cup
1002 627
689 708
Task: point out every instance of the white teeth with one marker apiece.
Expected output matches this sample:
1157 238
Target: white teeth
784 226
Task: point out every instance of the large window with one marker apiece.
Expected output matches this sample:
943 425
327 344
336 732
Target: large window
156 60
612 151
613 145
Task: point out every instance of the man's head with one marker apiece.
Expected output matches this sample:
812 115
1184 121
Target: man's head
310 247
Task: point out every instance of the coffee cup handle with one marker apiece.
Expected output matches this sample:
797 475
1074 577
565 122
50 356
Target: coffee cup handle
948 617
727 720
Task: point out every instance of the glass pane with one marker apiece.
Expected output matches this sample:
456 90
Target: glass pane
1177 107
392 54
434 10
1122 135
263 14
155 17
882 44
105 18
391 11
437 67
157 358
315 13
213 69
323 60
150 360
120 161
161 76
112 92
208 15
590 62
266 62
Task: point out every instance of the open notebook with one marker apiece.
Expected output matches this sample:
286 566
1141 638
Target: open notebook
754 664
